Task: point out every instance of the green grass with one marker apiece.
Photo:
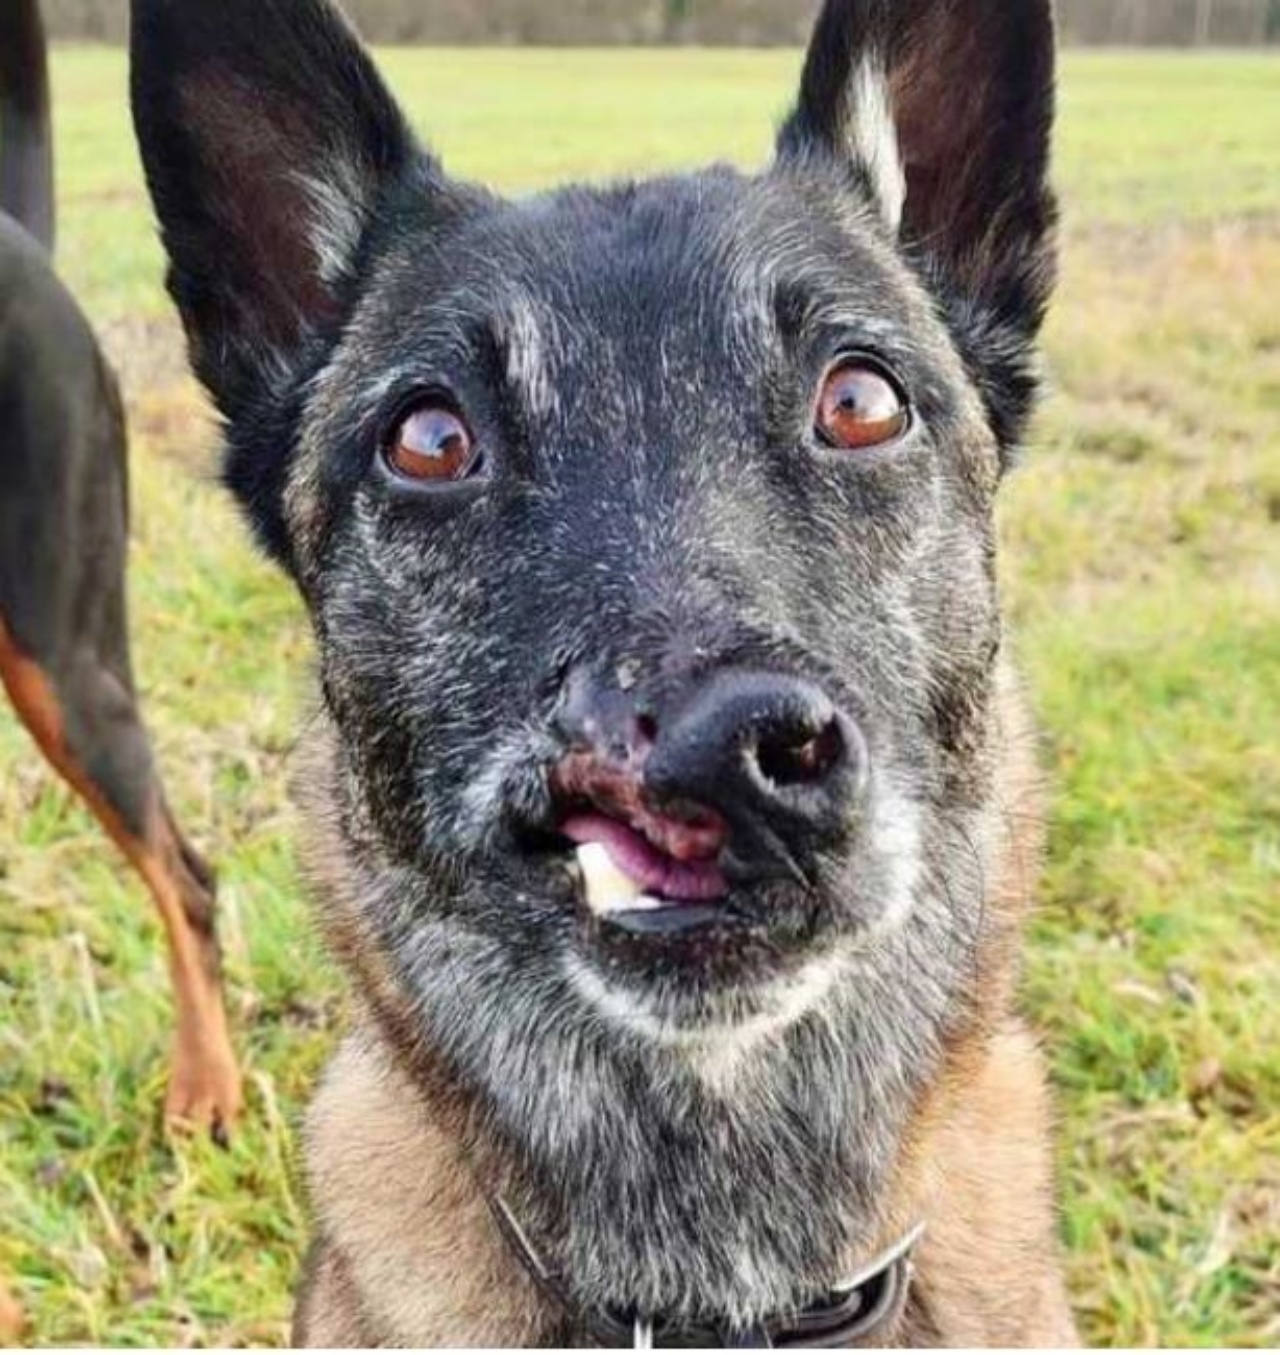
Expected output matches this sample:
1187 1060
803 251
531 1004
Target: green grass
1142 571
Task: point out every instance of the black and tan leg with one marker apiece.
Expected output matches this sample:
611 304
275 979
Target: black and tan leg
85 720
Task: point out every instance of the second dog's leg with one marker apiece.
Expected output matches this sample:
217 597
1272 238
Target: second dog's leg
85 721
204 1086
12 1321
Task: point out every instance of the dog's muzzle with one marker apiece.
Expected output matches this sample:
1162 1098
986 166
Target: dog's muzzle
671 799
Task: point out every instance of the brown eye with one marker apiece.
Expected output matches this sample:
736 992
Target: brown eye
432 443
859 407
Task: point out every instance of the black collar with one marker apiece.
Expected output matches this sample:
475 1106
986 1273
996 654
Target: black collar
862 1311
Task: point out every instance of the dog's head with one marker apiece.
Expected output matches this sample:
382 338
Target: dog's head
647 530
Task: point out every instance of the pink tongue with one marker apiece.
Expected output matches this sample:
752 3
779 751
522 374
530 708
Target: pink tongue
654 871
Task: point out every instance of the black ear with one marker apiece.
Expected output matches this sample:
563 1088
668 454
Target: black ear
268 140
944 109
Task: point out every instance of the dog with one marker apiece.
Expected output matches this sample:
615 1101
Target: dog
64 652
672 802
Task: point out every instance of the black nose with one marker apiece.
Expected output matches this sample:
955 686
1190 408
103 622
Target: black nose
773 755
774 758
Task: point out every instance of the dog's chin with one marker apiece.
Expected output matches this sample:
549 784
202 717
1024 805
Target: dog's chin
718 1009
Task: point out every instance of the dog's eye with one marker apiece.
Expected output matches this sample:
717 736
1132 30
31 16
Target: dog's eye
432 443
858 406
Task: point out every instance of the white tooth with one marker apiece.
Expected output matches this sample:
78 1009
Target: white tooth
606 888
646 903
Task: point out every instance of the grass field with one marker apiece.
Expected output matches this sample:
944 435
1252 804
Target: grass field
1142 571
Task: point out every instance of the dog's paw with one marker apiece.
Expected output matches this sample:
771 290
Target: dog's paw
13 1321
206 1094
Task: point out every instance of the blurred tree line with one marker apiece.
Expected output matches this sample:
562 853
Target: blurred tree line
715 22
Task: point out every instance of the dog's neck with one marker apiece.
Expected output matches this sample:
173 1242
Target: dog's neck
653 1187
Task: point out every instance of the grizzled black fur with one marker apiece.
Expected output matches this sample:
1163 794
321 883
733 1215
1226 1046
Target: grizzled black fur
639 365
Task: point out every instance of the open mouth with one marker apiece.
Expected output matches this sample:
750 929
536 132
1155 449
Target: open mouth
623 871
638 866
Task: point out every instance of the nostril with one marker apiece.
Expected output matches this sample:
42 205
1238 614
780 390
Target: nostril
799 757
646 731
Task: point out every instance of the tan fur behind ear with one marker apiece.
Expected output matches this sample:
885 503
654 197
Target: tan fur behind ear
410 1253
328 1313
989 1267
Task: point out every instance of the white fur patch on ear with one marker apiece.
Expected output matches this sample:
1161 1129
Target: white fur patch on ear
873 138
338 216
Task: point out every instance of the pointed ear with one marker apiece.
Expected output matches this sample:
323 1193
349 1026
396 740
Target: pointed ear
944 109
268 140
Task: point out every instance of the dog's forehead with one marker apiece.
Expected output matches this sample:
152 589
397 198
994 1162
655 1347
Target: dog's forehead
647 260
